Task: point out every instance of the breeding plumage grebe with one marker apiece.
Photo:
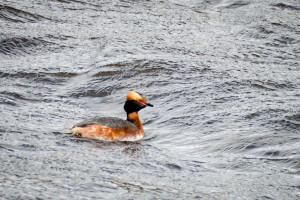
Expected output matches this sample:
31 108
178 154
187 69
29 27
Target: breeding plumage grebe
116 129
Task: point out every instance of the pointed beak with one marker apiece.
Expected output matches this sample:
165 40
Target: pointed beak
149 104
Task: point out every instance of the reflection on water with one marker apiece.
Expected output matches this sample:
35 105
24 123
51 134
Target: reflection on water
223 75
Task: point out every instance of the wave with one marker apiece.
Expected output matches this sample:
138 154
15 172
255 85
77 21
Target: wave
17 45
15 15
286 6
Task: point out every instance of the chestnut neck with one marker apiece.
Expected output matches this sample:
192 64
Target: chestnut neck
136 120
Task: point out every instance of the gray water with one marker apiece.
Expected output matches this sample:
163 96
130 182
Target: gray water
224 76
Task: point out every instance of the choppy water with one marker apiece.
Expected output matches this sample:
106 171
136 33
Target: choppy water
224 76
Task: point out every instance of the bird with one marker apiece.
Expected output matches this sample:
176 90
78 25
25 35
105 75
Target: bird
113 128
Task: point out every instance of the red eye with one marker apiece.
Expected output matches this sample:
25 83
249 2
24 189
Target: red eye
140 101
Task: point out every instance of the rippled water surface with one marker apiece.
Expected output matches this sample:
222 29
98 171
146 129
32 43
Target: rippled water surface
224 76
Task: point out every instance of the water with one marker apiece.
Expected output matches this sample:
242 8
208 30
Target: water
224 77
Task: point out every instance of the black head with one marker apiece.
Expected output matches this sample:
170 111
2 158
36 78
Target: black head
135 102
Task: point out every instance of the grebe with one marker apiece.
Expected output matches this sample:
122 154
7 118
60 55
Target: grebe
116 129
